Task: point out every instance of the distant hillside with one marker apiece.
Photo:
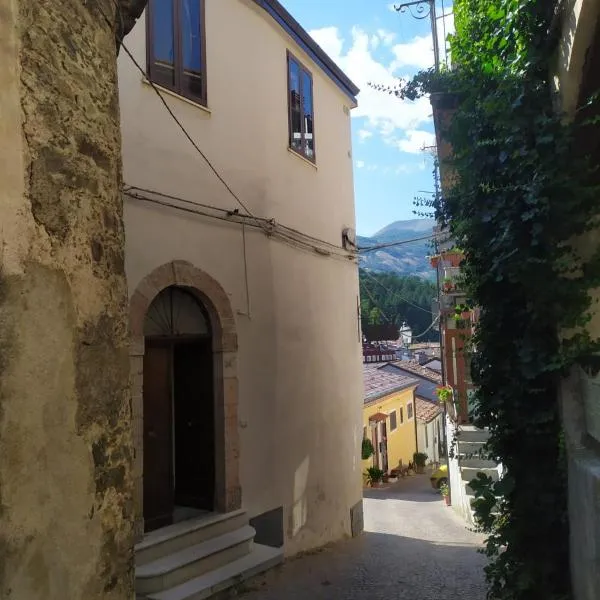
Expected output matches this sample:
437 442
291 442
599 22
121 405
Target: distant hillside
389 299
409 259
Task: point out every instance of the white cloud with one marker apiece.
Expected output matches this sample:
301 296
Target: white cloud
417 53
386 37
384 112
360 164
365 134
408 168
329 39
414 142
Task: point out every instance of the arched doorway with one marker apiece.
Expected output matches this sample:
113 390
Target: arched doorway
213 300
179 410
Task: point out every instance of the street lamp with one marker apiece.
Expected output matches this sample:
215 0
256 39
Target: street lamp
421 9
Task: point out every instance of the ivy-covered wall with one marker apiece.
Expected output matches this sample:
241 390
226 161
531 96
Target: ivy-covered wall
520 193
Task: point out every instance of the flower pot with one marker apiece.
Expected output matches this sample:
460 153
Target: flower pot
420 470
447 500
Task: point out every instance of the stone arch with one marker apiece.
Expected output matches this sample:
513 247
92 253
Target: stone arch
224 335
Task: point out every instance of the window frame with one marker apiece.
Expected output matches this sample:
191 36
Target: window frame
152 72
291 57
410 411
401 415
393 412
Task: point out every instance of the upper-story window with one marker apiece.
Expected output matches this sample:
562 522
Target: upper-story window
300 108
176 48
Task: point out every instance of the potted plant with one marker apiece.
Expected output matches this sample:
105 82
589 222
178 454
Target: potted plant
445 491
444 393
447 285
374 476
420 459
367 449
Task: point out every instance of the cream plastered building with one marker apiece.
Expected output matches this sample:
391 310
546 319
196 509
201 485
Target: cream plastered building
577 77
243 282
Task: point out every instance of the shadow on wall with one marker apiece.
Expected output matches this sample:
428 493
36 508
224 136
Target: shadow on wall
378 565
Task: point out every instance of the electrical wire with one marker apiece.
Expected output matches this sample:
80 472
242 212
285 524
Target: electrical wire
365 249
414 337
245 255
180 124
395 293
271 227
377 305
232 217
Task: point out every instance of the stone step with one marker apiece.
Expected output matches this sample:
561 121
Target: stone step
470 433
259 560
173 538
469 473
476 448
477 463
191 562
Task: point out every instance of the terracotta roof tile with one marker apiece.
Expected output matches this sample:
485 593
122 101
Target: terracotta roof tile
426 411
414 367
379 383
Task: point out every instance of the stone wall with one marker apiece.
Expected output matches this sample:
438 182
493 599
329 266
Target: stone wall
65 436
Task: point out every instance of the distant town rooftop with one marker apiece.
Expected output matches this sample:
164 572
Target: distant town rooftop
379 383
426 411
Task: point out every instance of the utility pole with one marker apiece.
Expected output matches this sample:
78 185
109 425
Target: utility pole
421 9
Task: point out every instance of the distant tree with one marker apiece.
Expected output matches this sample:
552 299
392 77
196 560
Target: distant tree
391 300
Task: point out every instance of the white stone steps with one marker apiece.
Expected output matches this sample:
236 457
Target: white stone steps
477 448
259 560
470 433
174 569
469 473
173 538
476 463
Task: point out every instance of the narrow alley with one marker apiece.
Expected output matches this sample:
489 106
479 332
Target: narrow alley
414 547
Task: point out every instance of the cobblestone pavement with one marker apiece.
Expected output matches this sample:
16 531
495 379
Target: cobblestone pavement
414 548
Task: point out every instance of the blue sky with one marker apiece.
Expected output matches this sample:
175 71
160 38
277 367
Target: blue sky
373 43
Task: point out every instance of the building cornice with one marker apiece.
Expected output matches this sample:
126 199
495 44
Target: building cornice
308 44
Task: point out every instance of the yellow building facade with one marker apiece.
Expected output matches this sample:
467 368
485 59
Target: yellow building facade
389 418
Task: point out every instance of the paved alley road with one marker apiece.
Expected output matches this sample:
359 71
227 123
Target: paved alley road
414 548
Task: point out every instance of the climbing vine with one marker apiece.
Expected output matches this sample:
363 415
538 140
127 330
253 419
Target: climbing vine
518 197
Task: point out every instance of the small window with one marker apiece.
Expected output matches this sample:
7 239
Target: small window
409 410
176 49
393 421
300 109
401 415
427 436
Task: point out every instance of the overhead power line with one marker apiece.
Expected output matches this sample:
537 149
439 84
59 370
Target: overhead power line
395 293
269 228
414 337
365 249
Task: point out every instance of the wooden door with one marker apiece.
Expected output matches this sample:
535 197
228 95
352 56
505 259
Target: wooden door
158 455
384 448
194 424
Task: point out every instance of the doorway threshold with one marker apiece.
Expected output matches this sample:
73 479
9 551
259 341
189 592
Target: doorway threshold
185 513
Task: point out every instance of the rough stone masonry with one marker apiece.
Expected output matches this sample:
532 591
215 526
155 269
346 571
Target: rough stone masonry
65 435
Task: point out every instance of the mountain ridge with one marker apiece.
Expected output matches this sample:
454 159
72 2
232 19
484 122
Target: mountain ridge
406 259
